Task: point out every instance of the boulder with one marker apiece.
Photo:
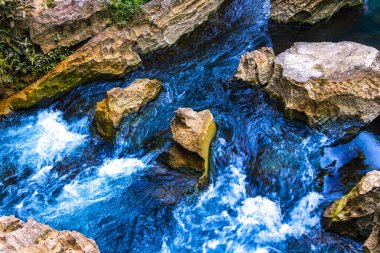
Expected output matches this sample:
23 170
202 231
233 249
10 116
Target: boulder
193 133
356 214
33 237
115 51
318 82
256 67
307 11
372 244
121 102
66 23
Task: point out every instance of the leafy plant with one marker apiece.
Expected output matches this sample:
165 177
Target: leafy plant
123 10
21 62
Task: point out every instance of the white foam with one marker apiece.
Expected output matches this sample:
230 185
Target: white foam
120 166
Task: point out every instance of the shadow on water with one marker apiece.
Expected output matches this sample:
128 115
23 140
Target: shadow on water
271 176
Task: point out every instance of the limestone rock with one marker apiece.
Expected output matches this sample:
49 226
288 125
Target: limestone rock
356 214
162 23
106 56
67 23
256 67
193 133
114 51
121 102
33 237
325 81
307 11
372 244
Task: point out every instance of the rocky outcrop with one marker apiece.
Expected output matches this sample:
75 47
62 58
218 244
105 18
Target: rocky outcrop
356 214
66 23
121 102
33 237
325 81
193 133
114 51
307 11
256 67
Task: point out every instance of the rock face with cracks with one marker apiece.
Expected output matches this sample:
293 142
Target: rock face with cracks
307 11
66 23
33 237
357 214
325 81
121 102
192 134
115 51
256 67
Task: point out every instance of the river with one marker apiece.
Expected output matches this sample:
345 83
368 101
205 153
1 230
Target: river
271 177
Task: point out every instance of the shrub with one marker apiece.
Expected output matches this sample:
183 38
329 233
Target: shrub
21 62
123 10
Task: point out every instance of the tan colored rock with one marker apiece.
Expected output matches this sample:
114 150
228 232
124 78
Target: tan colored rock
256 67
193 133
67 23
372 244
354 215
121 102
106 56
17 236
110 54
162 23
307 11
325 81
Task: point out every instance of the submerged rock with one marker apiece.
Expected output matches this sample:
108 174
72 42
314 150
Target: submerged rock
66 23
115 51
325 81
193 133
307 11
33 237
121 102
356 214
256 67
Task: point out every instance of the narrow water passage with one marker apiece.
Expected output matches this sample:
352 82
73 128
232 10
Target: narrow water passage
269 183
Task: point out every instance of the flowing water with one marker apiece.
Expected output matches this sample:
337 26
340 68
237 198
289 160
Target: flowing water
271 177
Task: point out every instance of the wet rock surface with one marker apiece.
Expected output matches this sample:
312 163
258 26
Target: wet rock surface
193 133
309 11
318 82
256 67
115 51
356 214
66 23
121 102
33 237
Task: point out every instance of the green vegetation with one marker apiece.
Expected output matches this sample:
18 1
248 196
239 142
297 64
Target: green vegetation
123 10
21 62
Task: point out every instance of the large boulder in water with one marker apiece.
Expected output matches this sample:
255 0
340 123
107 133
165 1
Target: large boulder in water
66 23
357 214
322 81
193 133
256 67
121 102
307 11
17 236
116 50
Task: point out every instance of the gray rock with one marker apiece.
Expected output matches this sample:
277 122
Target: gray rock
325 81
67 23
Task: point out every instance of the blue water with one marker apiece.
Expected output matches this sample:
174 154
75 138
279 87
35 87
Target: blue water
271 177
